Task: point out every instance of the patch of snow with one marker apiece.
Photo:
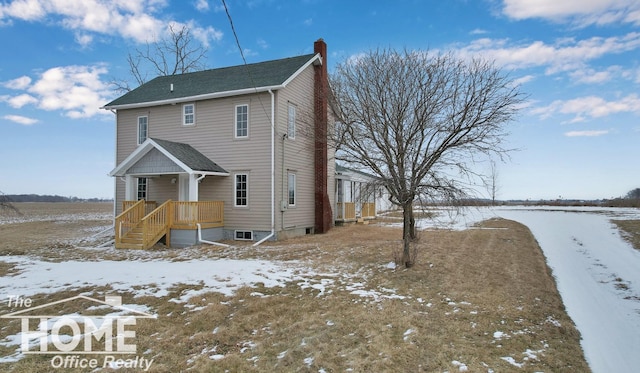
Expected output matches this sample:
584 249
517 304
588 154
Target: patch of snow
407 333
462 367
512 361
216 357
308 361
152 277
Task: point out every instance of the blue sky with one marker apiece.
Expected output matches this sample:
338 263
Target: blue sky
579 61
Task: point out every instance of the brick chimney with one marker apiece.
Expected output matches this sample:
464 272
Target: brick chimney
323 216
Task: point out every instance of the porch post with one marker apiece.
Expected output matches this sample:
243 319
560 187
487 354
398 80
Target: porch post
130 188
188 187
193 187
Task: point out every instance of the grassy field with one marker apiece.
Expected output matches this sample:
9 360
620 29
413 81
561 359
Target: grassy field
478 300
630 230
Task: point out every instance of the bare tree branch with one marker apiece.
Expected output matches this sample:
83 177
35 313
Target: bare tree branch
416 119
178 54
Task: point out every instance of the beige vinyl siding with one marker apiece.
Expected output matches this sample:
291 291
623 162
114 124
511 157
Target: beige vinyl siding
213 136
298 153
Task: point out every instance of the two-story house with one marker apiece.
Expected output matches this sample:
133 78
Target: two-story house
229 153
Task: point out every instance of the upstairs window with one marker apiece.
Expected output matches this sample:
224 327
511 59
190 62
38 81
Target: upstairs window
143 127
188 114
242 121
291 122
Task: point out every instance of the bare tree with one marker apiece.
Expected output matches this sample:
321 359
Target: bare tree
5 204
179 53
419 121
492 182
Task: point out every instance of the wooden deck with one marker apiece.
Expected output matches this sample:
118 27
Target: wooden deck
136 228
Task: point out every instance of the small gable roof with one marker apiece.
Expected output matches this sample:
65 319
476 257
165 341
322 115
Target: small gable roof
221 82
186 157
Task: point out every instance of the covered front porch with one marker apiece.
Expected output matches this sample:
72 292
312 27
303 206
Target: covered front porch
175 172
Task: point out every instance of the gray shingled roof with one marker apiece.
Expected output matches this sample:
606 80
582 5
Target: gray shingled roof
189 156
227 79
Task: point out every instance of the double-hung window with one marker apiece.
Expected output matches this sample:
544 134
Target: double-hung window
291 122
242 121
143 128
188 114
241 190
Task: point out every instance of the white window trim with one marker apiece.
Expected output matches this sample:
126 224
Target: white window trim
146 188
291 131
235 122
295 197
235 189
235 235
146 129
184 115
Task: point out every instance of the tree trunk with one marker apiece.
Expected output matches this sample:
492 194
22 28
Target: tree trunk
408 233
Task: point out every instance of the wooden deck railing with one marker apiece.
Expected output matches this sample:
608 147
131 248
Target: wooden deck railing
346 211
129 219
368 210
157 224
148 205
209 214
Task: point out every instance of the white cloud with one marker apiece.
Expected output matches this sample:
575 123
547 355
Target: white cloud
590 106
19 101
523 79
563 55
579 12
308 22
591 133
262 43
478 31
202 5
590 76
18 83
131 19
21 120
77 91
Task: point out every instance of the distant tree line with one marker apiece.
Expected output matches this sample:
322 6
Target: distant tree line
48 198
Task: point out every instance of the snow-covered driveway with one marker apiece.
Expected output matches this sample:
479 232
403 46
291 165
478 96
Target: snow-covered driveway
598 276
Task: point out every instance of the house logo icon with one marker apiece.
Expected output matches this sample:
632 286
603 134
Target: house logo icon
105 327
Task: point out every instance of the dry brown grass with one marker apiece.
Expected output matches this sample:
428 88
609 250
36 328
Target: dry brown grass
630 230
466 287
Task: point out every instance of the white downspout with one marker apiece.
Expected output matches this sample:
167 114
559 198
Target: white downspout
200 240
273 170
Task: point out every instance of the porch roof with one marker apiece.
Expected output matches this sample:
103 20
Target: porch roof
184 156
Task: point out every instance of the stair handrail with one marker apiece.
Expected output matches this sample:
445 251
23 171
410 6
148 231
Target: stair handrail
156 223
130 217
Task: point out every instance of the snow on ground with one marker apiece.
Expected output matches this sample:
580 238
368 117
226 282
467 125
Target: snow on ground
151 277
597 273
